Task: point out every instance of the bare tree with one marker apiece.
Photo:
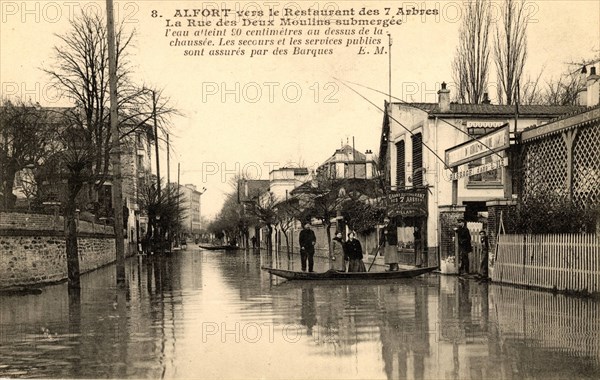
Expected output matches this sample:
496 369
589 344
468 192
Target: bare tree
26 140
80 72
471 60
169 204
287 212
510 49
563 91
263 208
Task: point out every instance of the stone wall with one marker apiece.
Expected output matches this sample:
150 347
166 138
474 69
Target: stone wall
32 248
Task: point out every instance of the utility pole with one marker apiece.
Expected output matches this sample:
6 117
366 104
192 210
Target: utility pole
156 143
390 68
157 232
168 163
117 188
178 202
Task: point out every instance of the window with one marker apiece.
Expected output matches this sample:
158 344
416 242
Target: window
417 153
492 178
400 164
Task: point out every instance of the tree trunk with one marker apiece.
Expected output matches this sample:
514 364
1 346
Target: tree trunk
287 242
269 238
74 186
8 198
328 231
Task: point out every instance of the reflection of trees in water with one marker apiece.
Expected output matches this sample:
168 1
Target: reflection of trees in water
404 329
464 319
103 330
241 271
308 310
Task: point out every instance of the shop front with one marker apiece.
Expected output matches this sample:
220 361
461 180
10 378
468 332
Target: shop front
407 209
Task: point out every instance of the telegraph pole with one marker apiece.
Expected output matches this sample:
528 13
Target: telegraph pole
168 163
390 68
117 188
158 232
156 143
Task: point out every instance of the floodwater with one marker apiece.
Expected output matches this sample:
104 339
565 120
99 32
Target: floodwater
206 314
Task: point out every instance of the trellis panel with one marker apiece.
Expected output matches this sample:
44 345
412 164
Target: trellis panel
586 166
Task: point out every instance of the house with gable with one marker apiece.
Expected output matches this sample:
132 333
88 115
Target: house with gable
414 140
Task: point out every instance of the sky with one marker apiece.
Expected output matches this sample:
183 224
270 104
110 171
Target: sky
254 114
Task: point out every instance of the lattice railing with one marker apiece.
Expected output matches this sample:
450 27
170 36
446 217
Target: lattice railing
586 166
545 167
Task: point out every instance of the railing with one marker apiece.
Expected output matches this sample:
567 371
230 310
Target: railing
567 262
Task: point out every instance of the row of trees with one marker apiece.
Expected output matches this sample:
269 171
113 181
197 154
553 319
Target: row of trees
349 201
72 146
505 44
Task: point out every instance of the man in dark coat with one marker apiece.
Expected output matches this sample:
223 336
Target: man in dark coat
307 240
485 249
464 246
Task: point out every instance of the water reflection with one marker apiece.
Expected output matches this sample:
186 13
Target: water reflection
217 315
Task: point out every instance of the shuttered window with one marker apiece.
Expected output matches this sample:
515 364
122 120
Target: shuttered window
400 164
417 153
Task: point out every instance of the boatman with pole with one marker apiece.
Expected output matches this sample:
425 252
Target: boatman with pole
307 240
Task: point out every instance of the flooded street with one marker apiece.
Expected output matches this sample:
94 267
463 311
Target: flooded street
206 314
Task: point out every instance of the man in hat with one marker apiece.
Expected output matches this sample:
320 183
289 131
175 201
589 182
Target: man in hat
464 246
307 240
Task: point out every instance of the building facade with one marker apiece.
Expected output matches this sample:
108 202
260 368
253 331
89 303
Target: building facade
192 202
414 141
347 162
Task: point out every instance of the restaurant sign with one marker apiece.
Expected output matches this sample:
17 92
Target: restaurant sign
485 145
497 164
406 203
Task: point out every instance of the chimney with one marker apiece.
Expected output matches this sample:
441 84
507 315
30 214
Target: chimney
444 98
369 164
593 88
486 99
583 93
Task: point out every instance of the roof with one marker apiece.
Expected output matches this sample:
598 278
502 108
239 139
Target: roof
349 155
297 171
494 110
306 187
565 122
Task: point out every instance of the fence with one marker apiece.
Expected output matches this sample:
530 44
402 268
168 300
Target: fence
568 262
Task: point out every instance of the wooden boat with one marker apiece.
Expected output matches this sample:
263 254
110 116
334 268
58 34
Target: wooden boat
218 247
335 275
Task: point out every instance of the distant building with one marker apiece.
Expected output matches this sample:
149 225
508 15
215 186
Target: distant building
192 202
347 162
283 181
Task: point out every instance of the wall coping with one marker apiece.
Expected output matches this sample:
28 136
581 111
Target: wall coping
21 221
53 233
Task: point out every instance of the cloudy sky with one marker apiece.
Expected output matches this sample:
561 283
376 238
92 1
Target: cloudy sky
253 114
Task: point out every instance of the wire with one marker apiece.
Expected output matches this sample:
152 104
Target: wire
391 117
473 138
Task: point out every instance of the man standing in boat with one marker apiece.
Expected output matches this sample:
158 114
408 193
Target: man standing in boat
389 241
307 240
